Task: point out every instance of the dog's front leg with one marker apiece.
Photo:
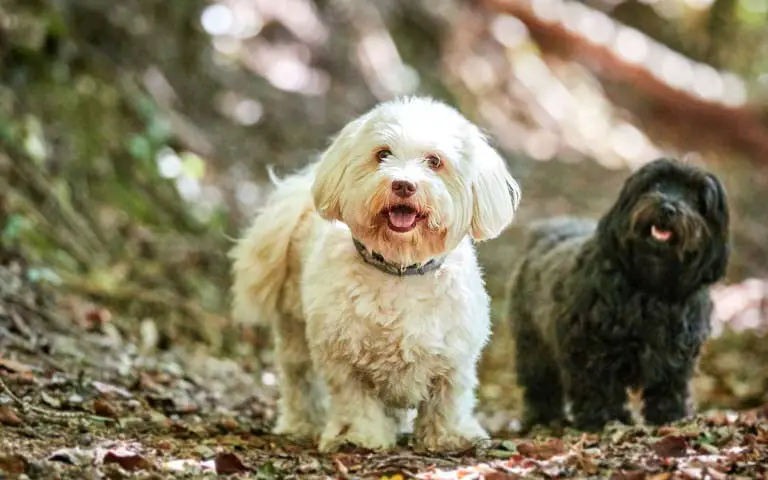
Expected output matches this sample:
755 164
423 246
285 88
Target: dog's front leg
356 415
666 400
445 420
597 398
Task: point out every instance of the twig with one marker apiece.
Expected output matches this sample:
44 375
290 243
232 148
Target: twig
49 317
341 468
26 408
21 343
22 327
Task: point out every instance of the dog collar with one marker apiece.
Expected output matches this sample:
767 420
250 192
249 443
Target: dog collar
377 260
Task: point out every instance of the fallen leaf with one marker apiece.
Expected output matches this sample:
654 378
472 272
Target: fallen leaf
542 451
14 366
9 417
309 465
692 473
629 475
130 462
105 409
719 418
671 446
499 476
342 469
95 318
186 465
229 424
205 452
229 463
715 474
72 456
749 418
13 464
107 389
665 430
710 449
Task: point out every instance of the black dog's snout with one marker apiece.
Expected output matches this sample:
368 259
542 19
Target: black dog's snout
668 209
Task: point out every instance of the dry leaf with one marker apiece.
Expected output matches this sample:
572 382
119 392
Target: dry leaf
629 475
95 318
9 417
16 464
229 424
671 446
229 463
500 476
542 451
105 409
14 366
130 462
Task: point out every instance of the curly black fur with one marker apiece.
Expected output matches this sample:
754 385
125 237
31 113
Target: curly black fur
598 309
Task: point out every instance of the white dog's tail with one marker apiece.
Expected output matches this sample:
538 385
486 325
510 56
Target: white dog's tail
260 257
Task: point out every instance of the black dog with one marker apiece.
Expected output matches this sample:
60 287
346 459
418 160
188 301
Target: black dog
598 309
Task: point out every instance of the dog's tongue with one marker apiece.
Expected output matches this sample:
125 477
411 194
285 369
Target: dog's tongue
402 218
660 234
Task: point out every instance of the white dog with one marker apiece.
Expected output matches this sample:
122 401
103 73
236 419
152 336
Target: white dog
364 266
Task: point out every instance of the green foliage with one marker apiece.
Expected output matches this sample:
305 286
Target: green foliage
87 202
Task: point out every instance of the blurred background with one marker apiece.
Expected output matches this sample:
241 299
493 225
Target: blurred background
135 135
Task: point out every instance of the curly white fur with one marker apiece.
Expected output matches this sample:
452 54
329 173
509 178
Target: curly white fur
357 348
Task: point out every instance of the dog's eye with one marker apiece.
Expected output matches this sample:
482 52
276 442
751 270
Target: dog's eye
383 154
434 161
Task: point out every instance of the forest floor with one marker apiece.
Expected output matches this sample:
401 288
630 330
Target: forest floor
81 399
90 392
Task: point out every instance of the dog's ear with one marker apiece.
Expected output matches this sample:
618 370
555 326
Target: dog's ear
717 213
715 201
495 193
326 189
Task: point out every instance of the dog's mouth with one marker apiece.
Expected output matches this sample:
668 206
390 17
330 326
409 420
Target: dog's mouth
403 218
661 234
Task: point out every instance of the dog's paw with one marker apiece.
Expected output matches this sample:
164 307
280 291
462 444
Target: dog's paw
384 437
298 428
468 435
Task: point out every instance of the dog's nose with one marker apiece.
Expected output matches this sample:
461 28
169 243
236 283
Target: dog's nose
668 209
403 188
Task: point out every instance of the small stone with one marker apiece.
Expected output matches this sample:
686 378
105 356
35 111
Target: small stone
157 417
150 337
711 449
204 452
500 453
131 421
509 445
